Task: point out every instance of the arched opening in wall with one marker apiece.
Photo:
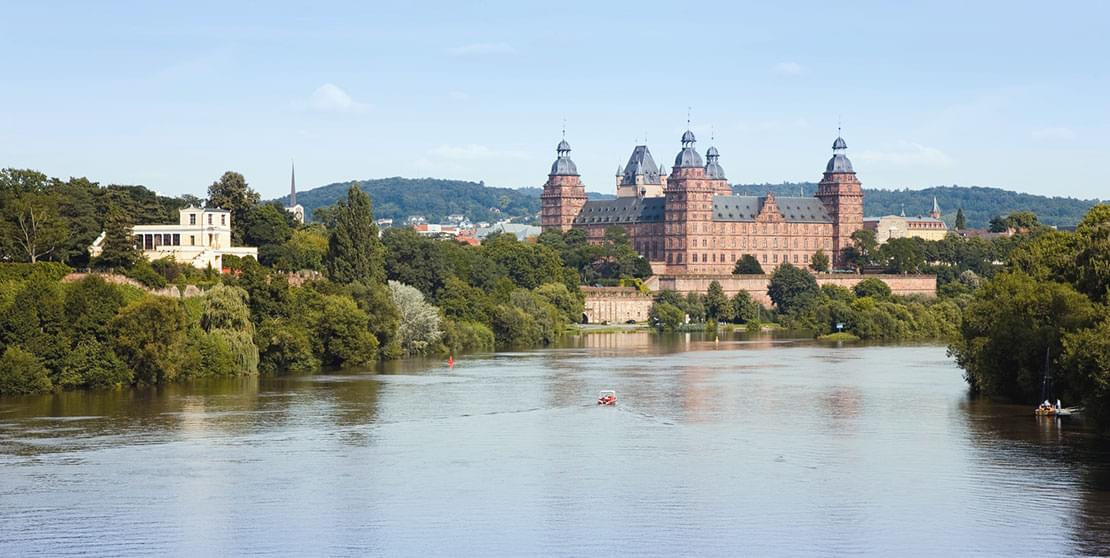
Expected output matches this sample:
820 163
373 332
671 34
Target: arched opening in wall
585 318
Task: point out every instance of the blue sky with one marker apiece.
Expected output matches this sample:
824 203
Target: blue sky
1010 94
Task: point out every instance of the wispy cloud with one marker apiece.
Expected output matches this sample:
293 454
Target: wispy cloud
789 69
1053 134
908 154
475 152
333 99
481 49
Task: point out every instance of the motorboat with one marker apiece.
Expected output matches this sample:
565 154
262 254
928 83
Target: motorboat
607 397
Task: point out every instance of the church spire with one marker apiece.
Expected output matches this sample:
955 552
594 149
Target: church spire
935 213
292 184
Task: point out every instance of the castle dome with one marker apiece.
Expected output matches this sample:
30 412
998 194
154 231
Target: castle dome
839 161
713 167
563 166
688 157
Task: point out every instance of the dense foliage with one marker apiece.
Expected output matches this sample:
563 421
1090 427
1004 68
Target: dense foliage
1050 300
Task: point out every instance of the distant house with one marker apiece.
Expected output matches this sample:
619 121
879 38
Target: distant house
201 238
384 223
522 232
415 220
929 227
456 218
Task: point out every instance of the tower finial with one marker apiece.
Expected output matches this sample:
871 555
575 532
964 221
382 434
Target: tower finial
687 117
564 127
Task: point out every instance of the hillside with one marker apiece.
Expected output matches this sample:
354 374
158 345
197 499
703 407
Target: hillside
979 203
435 199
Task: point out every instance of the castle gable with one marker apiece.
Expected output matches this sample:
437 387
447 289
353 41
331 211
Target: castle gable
642 164
749 208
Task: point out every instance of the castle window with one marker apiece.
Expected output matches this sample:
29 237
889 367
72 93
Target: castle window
765 258
192 218
776 258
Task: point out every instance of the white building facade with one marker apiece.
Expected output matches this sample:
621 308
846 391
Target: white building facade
201 238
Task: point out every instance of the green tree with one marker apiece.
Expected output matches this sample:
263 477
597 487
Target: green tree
744 308
789 285
21 373
570 304
415 260
819 262
872 287
902 255
150 338
513 327
717 304
666 317
36 321
285 348
31 227
306 249
94 364
961 221
354 251
118 249
232 193
90 305
747 265
863 250
225 307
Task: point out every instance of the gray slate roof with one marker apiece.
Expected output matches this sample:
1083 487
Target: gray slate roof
641 163
839 163
793 209
621 211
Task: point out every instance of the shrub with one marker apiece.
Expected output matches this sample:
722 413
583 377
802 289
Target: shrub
21 373
513 327
89 305
284 347
463 336
419 330
872 287
150 338
95 365
144 273
666 317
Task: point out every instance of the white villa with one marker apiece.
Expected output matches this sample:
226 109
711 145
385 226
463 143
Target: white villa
202 238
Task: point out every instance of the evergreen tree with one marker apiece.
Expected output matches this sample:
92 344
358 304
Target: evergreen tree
747 265
118 248
961 221
789 285
716 303
354 251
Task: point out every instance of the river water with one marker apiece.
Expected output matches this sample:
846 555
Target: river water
746 447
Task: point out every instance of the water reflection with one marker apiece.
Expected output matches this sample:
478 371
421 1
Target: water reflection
756 442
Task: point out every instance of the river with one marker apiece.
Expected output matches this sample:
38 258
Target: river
745 447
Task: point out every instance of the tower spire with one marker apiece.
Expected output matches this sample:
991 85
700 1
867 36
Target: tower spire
292 184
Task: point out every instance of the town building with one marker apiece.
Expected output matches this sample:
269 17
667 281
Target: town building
689 221
201 238
929 227
295 208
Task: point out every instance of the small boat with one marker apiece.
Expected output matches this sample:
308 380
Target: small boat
607 397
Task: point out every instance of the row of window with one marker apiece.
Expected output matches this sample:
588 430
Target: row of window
713 258
193 219
153 241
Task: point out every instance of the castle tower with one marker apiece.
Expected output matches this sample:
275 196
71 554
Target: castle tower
842 195
714 172
935 213
640 177
688 212
563 195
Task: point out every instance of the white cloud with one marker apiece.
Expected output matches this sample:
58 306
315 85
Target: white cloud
1054 134
331 98
474 152
479 49
789 69
908 154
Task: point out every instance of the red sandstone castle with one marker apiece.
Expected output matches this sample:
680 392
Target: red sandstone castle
689 222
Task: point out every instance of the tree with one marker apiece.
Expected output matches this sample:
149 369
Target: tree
961 221
862 251
415 260
666 317
872 287
716 303
744 309
902 255
284 347
90 305
232 193
118 249
31 226
226 307
819 262
95 365
789 285
21 373
420 329
266 225
306 249
150 338
747 265
354 251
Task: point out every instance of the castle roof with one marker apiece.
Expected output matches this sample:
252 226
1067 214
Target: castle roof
621 211
839 161
746 208
688 157
713 168
640 164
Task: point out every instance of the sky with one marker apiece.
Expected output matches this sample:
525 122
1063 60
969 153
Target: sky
170 95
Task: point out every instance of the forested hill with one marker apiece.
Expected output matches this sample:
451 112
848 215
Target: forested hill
435 199
979 203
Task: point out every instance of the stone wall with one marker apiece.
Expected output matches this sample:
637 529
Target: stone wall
170 290
756 285
616 305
